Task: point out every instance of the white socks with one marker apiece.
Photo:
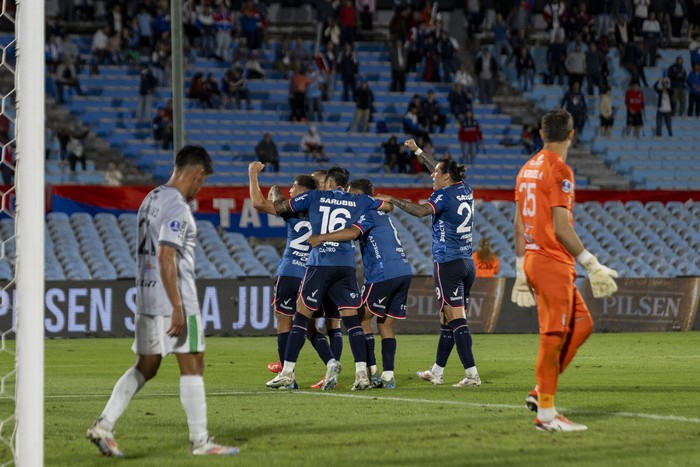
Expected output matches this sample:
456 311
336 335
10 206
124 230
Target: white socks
387 375
471 372
360 366
288 367
372 369
437 370
128 385
546 415
195 405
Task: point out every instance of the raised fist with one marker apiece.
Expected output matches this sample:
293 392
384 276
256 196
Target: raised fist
255 167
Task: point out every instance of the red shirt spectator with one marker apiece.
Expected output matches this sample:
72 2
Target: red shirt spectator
347 15
634 99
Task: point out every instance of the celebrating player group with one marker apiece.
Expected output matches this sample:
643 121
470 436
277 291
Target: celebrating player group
316 279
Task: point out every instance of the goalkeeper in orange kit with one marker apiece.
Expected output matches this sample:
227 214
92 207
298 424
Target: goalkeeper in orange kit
546 246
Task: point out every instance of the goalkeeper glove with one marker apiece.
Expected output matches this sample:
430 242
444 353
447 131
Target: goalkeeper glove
600 277
521 294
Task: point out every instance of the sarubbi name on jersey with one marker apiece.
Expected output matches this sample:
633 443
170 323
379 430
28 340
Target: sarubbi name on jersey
338 202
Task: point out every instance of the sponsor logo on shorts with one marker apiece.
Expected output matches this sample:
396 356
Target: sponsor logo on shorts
381 300
379 305
314 293
353 295
174 225
287 301
454 294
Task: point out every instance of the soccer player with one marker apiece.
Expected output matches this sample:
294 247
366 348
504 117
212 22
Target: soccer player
168 317
293 264
546 245
387 280
451 205
330 274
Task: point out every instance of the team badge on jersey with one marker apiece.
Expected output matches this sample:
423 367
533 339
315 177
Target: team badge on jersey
566 186
174 225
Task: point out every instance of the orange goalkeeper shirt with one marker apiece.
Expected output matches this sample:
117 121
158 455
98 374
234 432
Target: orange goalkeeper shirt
543 183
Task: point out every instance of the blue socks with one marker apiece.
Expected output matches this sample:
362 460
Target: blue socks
463 340
297 336
320 343
445 345
371 359
282 339
388 354
336 338
356 336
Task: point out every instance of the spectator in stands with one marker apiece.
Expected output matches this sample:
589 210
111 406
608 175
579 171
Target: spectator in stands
517 40
70 52
651 32
411 125
391 155
283 60
299 53
398 59
162 127
623 34
432 113
297 95
52 53
554 14
331 33
526 139
266 151
251 24
576 65
199 90
470 138
7 167
115 18
525 67
366 9
76 153
465 79
694 94
596 68
223 26
447 51
693 47
363 106
575 103
641 13
677 12
556 58
66 77
417 102
602 10
633 61
144 104
663 106
145 28
312 146
235 88
324 10
678 76
634 101
326 65
207 31
472 13
314 107
606 112
63 135
431 65
399 23
348 67
459 100
253 69
485 260
486 70
213 90
129 42
347 20
113 176
98 49
501 42
519 17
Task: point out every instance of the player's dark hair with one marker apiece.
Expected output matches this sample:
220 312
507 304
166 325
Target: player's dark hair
362 184
306 181
191 155
457 172
339 175
556 125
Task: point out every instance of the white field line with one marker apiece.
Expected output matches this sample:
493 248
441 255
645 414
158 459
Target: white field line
486 405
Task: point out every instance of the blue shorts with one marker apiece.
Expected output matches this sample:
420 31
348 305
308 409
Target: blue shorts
286 294
387 298
453 282
333 287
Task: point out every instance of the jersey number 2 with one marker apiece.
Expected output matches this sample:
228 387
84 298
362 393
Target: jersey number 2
464 227
299 243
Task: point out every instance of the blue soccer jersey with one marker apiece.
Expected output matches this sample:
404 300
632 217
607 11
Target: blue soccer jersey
296 253
453 220
331 210
382 254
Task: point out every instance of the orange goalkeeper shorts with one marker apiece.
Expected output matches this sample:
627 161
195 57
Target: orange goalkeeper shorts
558 299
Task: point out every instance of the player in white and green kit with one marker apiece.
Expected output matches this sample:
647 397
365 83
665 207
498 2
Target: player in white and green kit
168 317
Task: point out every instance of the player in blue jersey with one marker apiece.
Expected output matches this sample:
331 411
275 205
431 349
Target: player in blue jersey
387 280
330 274
293 263
452 206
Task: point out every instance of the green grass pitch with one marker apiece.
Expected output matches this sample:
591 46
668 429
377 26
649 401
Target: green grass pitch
638 393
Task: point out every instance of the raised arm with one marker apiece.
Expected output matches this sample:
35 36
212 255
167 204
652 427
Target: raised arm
349 233
256 196
427 160
414 209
